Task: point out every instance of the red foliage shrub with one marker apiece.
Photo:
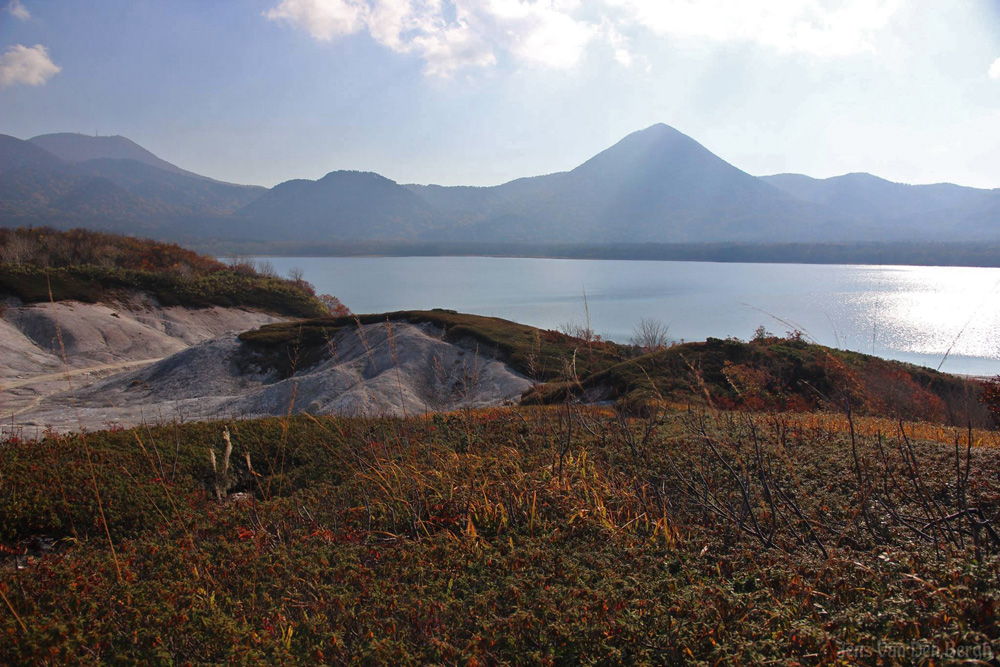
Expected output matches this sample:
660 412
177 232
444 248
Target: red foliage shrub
894 392
991 397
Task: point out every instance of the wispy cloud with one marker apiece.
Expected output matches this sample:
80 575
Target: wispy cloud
323 19
995 69
28 65
16 9
619 44
818 27
452 36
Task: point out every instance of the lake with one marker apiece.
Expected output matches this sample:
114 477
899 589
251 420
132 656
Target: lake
908 313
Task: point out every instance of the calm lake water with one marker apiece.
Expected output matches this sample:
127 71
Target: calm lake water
901 312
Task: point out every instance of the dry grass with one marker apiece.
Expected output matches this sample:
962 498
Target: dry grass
482 536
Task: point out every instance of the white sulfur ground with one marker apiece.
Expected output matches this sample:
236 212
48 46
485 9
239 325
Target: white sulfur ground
398 369
99 340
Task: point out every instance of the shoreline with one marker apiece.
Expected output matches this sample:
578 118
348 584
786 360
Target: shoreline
958 255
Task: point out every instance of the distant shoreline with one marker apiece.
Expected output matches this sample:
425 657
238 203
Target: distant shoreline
967 254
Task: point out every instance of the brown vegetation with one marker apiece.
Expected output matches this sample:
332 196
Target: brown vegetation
48 248
539 535
42 264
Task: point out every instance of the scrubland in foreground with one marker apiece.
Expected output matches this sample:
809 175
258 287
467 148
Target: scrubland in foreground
725 502
547 535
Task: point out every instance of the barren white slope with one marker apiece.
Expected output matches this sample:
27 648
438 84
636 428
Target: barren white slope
398 369
98 339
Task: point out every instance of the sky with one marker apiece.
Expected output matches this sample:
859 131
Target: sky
479 92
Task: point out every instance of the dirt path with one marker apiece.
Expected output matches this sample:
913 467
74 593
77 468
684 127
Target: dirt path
51 377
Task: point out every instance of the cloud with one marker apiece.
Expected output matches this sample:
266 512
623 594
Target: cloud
619 44
454 34
28 65
817 27
323 19
450 36
995 69
542 33
18 10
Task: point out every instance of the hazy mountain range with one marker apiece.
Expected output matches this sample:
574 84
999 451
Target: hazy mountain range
654 186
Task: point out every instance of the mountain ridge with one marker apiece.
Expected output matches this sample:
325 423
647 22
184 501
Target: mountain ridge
110 193
77 147
353 203
656 185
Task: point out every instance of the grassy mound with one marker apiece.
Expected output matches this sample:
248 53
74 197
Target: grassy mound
91 284
522 535
40 264
538 354
782 374
768 373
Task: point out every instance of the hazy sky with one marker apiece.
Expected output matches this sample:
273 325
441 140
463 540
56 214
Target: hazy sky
483 91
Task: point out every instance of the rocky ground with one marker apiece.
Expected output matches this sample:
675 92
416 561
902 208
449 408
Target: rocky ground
48 349
144 364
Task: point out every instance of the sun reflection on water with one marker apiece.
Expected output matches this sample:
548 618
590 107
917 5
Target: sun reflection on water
927 310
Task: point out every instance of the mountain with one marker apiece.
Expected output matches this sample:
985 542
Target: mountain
656 185
19 154
31 179
349 205
73 147
120 193
908 209
174 191
659 185
864 194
